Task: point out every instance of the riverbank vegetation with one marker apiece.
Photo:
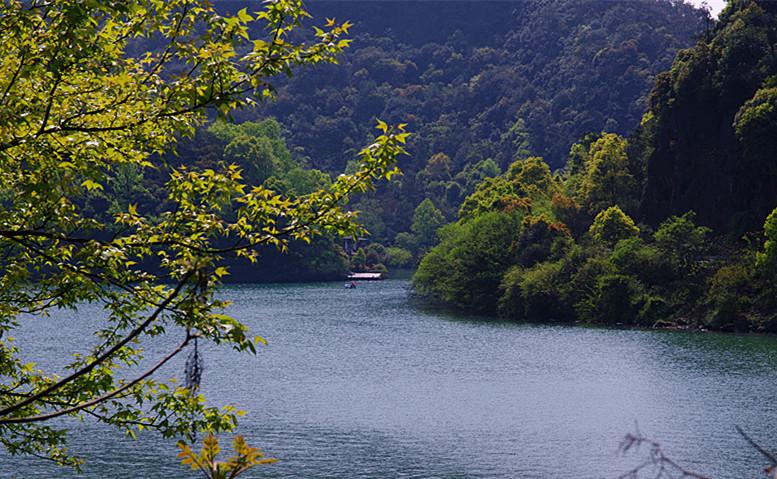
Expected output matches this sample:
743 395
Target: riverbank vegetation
479 83
612 237
478 93
138 162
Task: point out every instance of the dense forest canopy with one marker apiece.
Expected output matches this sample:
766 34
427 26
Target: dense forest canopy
462 74
480 84
569 246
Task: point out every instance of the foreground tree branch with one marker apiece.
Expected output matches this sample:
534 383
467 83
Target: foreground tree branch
658 465
80 103
95 362
104 397
772 468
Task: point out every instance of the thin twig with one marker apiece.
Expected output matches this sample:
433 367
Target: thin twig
662 465
105 397
758 448
100 359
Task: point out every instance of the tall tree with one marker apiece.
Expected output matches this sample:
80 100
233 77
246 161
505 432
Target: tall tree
427 219
612 225
607 180
80 101
256 154
710 127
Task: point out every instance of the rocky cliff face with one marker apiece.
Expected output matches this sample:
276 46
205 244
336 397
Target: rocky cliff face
711 127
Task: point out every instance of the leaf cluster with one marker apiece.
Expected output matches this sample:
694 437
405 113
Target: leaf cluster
92 94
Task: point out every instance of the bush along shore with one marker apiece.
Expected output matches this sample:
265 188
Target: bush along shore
528 247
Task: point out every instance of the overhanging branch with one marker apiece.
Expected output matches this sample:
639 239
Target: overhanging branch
105 397
98 360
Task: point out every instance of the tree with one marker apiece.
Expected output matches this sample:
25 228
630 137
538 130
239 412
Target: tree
607 180
767 259
754 125
612 225
397 257
254 145
437 168
682 241
427 219
518 138
303 182
255 155
489 195
81 101
466 268
539 235
532 176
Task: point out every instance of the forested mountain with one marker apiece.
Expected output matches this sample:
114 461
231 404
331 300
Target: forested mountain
709 132
485 79
476 81
480 84
570 246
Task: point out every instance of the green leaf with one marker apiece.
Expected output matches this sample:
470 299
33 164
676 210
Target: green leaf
92 185
243 15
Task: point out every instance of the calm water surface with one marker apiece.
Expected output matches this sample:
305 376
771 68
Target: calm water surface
363 383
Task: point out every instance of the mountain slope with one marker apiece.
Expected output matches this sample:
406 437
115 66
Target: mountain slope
477 79
710 130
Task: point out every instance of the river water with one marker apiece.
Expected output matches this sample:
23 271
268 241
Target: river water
365 383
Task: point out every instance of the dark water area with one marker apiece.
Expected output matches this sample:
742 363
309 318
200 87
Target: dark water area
363 384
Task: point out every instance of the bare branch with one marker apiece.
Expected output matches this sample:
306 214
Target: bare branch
758 448
657 462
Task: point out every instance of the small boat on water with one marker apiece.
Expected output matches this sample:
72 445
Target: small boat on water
365 276
351 285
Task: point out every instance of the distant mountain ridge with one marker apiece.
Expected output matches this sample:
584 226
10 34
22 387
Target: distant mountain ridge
479 83
466 72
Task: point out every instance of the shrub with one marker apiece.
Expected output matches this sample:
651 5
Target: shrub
646 262
767 259
615 299
654 309
541 297
378 268
729 297
683 242
376 253
511 305
584 277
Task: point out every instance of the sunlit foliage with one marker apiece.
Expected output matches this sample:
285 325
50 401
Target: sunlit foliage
612 225
91 94
206 461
